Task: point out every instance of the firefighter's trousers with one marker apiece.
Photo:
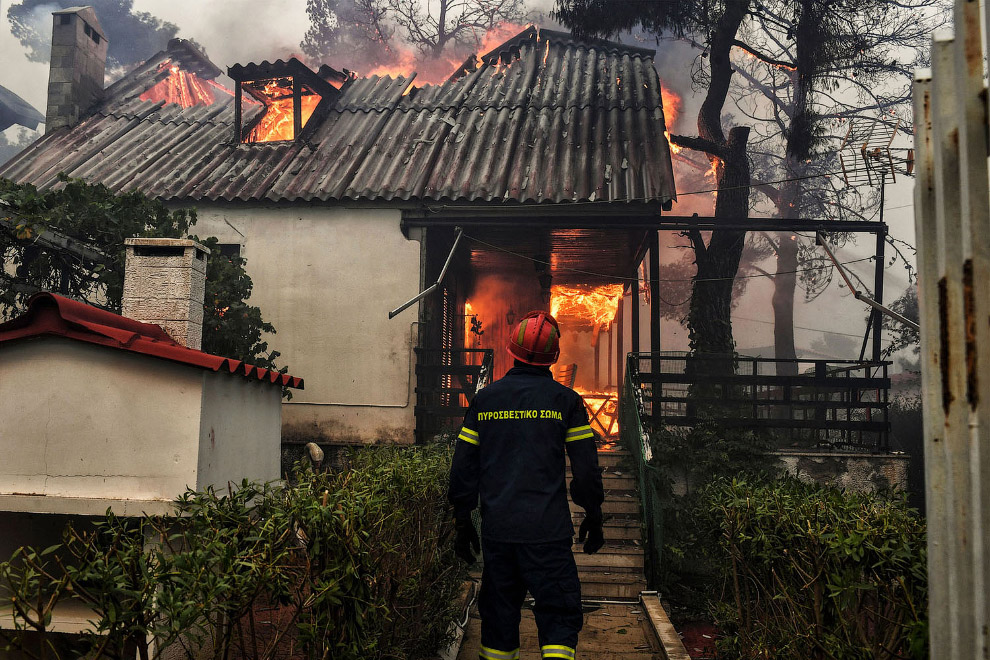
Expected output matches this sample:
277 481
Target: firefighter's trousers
548 572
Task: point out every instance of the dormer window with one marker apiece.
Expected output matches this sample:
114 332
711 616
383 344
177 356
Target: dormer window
276 102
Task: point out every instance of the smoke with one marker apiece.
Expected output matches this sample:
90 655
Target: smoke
235 31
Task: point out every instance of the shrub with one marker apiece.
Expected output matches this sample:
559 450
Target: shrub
347 565
817 572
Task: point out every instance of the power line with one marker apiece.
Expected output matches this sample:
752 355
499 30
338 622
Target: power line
636 279
752 184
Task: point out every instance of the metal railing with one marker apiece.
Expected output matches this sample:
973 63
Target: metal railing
806 403
446 382
635 437
832 404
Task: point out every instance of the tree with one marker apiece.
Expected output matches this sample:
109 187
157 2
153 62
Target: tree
807 69
375 32
356 27
11 147
903 336
36 228
455 22
797 69
134 36
717 25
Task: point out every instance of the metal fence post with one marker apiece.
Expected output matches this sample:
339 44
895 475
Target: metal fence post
952 216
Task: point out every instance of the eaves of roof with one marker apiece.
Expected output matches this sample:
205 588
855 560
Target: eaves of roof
548 121
51 315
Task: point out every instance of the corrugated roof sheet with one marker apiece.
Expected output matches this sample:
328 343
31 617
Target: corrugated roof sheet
563 121
49 314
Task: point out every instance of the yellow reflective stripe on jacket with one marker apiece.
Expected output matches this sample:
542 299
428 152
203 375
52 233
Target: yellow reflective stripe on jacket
486 653
467 435
557 651
578 433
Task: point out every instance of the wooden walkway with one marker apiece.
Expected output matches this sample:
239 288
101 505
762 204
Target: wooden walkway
612 631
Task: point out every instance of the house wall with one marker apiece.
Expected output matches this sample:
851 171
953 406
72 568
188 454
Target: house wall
239 431
83 421
326 278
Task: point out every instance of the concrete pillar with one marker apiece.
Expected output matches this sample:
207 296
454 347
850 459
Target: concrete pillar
79 56
165 284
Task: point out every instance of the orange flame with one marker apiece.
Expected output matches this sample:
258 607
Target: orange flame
596 305
671 105
777 65
182 88
278 120
499 34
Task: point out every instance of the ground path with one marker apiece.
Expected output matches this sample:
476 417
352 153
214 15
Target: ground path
613 630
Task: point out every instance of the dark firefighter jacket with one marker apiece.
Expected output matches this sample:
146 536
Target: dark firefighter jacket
510 453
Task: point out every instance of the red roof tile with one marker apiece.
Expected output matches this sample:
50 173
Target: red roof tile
49 314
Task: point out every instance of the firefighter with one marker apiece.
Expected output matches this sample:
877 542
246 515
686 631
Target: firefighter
510 454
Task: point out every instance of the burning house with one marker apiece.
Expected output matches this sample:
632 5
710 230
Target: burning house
531 178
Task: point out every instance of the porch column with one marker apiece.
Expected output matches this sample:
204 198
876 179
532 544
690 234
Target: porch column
655 321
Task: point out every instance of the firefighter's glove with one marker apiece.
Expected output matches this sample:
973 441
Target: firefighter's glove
466 539
591 533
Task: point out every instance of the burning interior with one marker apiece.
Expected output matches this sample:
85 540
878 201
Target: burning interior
275 101
496 275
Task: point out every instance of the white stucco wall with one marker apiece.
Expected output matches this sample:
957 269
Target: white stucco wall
239 431
84 427
84 421
326 278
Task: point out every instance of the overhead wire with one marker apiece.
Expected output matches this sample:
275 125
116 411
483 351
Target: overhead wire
752 184
620 278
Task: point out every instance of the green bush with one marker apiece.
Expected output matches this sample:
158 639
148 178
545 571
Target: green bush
352 564
816 572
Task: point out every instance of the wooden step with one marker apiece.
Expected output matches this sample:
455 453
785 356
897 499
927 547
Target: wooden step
621 505
616 527
614 555
620 481
609 585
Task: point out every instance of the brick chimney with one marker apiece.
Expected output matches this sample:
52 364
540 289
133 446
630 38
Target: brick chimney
164 284
79 57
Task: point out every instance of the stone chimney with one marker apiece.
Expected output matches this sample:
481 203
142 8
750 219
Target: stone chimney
164 284
79 57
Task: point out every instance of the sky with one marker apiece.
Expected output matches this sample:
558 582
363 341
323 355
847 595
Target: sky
235 31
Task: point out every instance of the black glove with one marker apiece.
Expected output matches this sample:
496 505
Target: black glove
591 529
467 538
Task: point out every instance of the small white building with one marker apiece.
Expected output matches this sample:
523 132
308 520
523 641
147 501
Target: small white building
99 411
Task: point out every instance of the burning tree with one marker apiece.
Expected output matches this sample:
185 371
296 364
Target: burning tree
376 31
796 70
718 24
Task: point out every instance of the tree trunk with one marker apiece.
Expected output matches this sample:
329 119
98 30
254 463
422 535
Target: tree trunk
784 288
798 150
710 320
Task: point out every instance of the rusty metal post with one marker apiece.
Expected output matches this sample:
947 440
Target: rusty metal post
971 104
952 212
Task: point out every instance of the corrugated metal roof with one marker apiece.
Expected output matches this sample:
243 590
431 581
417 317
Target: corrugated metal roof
563 121
49 314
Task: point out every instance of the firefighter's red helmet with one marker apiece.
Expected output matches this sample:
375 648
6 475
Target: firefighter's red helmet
536 340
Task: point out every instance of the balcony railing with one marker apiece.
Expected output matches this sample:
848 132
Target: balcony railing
808 403
446 382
